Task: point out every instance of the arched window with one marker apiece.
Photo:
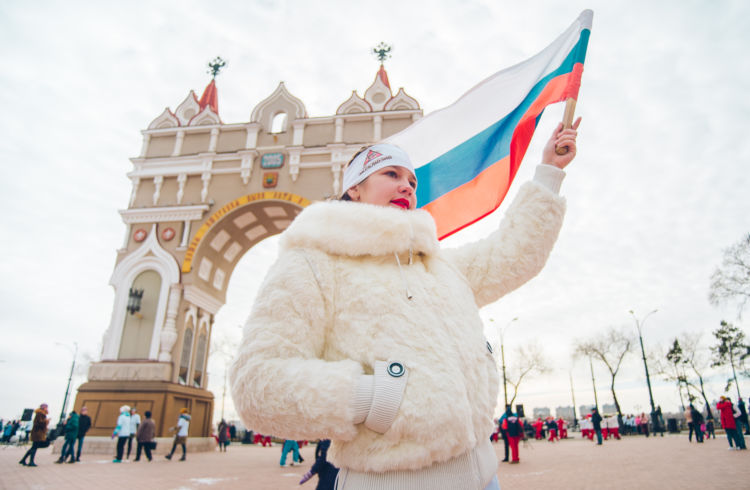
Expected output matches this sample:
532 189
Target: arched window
138 328
187 347
278 124
200 358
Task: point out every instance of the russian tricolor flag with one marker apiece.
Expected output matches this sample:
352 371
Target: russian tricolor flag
467 154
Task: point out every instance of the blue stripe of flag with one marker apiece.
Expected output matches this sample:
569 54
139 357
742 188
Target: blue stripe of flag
465 161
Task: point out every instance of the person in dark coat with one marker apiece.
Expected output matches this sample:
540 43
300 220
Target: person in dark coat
144 436
326 471
84 424
38 434
697 418
223 435
503 432
596 421
743 418
71 434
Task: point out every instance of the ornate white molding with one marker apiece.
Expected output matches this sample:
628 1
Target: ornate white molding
354 105
378 94
181 180
188 109
299 132
246 167
158 181
401 102
136 181
206 117
294 158
166 119
281 93
202 300
158 215
149 256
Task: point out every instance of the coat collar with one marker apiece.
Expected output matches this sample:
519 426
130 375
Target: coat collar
356 229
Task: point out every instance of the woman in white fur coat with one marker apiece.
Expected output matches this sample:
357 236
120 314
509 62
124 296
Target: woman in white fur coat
365 332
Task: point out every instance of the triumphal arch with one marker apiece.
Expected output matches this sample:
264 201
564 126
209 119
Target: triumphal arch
204 192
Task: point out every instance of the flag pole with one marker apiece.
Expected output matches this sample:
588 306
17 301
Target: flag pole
570 109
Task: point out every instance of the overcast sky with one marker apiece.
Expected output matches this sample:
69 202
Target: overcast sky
659 189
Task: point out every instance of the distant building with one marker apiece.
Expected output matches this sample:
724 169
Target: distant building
542 412
564 412
585 409
609 408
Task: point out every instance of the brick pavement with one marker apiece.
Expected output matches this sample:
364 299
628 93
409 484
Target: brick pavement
634 462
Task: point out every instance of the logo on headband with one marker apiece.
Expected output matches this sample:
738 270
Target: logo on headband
372 159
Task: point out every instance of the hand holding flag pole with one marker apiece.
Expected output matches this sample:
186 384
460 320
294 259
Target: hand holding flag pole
570 109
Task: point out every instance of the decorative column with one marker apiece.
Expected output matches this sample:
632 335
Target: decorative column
136 181
377 128
214 139
339 137
169 332
299 132
181 180
294 164
178 143
144 146
158 181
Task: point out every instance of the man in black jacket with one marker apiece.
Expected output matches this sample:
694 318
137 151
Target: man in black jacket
84 424
596 420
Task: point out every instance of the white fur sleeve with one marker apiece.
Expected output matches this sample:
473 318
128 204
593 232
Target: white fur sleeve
280 384
518 250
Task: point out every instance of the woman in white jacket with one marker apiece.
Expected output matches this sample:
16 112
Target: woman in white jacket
365 332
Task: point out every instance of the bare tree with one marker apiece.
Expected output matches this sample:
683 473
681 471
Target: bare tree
610 348
731 349
730 282
670 364
698 362
530 362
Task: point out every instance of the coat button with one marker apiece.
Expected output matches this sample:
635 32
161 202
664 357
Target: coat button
396 369
489 347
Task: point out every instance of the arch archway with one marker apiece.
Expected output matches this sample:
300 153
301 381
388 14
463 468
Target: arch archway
204 192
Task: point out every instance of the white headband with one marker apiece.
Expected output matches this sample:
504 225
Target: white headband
373 159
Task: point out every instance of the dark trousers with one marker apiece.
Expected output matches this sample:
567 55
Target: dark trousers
121 441
80 445
598 436
68 448
735 435
690 432
146 446
130 444
32 451
174 446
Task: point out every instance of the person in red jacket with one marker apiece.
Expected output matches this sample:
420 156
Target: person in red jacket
562 428
726 411
538 424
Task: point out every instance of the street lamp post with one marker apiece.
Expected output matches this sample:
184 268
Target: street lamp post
639 325
70 378
573 394
593 382
501 331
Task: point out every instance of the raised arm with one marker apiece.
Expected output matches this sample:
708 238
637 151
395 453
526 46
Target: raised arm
518 250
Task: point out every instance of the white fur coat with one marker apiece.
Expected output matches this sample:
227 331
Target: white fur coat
335 302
